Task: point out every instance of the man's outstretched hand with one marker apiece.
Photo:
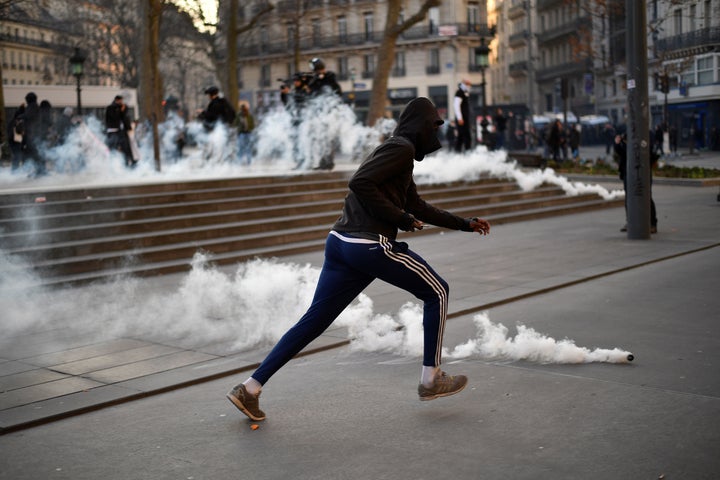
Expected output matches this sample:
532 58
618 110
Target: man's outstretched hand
480 226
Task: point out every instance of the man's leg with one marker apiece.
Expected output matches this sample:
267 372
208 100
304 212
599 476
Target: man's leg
396 264
338 285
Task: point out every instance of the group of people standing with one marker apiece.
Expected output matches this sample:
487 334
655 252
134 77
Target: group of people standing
239 123
32 130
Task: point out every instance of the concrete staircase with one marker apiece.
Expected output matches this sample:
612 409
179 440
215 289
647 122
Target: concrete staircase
83 235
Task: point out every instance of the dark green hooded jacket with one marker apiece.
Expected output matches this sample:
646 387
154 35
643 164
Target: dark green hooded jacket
383 197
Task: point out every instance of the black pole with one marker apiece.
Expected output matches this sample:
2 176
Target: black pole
638 176
484 122
79 103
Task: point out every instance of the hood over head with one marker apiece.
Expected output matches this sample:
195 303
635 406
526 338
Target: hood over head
419 123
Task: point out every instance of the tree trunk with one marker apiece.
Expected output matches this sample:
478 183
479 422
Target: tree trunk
386 53
150 93
232 38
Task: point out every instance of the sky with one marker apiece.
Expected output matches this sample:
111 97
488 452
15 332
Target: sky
208 6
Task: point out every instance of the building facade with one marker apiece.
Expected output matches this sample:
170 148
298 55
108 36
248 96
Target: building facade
431 58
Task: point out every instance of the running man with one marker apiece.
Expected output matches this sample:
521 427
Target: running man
362 246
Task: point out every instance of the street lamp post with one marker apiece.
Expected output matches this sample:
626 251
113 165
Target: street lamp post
76 68
482 60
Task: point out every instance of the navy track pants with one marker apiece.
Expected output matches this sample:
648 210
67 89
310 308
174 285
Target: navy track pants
351 264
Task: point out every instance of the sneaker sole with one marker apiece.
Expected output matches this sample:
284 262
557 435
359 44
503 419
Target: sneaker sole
235 401
446 394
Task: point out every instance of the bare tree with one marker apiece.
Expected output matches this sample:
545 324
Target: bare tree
150 80
393 28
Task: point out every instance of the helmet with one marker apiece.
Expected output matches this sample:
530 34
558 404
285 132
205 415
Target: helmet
212 90
317 64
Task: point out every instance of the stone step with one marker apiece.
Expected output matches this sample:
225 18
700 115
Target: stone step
158 228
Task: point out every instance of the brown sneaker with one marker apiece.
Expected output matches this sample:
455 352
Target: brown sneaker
246 403
445 385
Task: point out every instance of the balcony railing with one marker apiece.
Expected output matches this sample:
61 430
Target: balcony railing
564 30
564 69
367 39
704 37
432 69
545 4
518 69
519 38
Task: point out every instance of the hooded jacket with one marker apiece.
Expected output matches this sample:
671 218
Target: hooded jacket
383 196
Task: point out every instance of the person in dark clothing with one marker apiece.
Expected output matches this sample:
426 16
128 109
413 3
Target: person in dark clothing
500 121
362 246
462 117
324 82
554 139
218 110
621 153
574 139
32 142
117 126
609 135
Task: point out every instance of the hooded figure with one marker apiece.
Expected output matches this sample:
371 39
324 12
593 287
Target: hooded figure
361 248
383 197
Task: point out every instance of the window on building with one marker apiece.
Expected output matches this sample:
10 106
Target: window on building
706 12
677 21
316 32
291 36
343 72
614 88
264 38
369 66
433 20
705 70
693 18
399 65
368 18
473 16
342 29
265 75
434 61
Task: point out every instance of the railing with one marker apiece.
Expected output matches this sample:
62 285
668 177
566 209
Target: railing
518 68
545 4
699 38
518 38
368 39
432 69
565 29
557 71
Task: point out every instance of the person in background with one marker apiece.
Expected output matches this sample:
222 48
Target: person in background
31 140
362 246
461 107
575 142
324 81
621 154
117 126
500 120
244 125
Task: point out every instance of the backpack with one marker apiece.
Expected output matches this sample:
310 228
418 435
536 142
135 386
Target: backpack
228 113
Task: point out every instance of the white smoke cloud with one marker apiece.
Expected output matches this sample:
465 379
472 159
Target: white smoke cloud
251 308
264 297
